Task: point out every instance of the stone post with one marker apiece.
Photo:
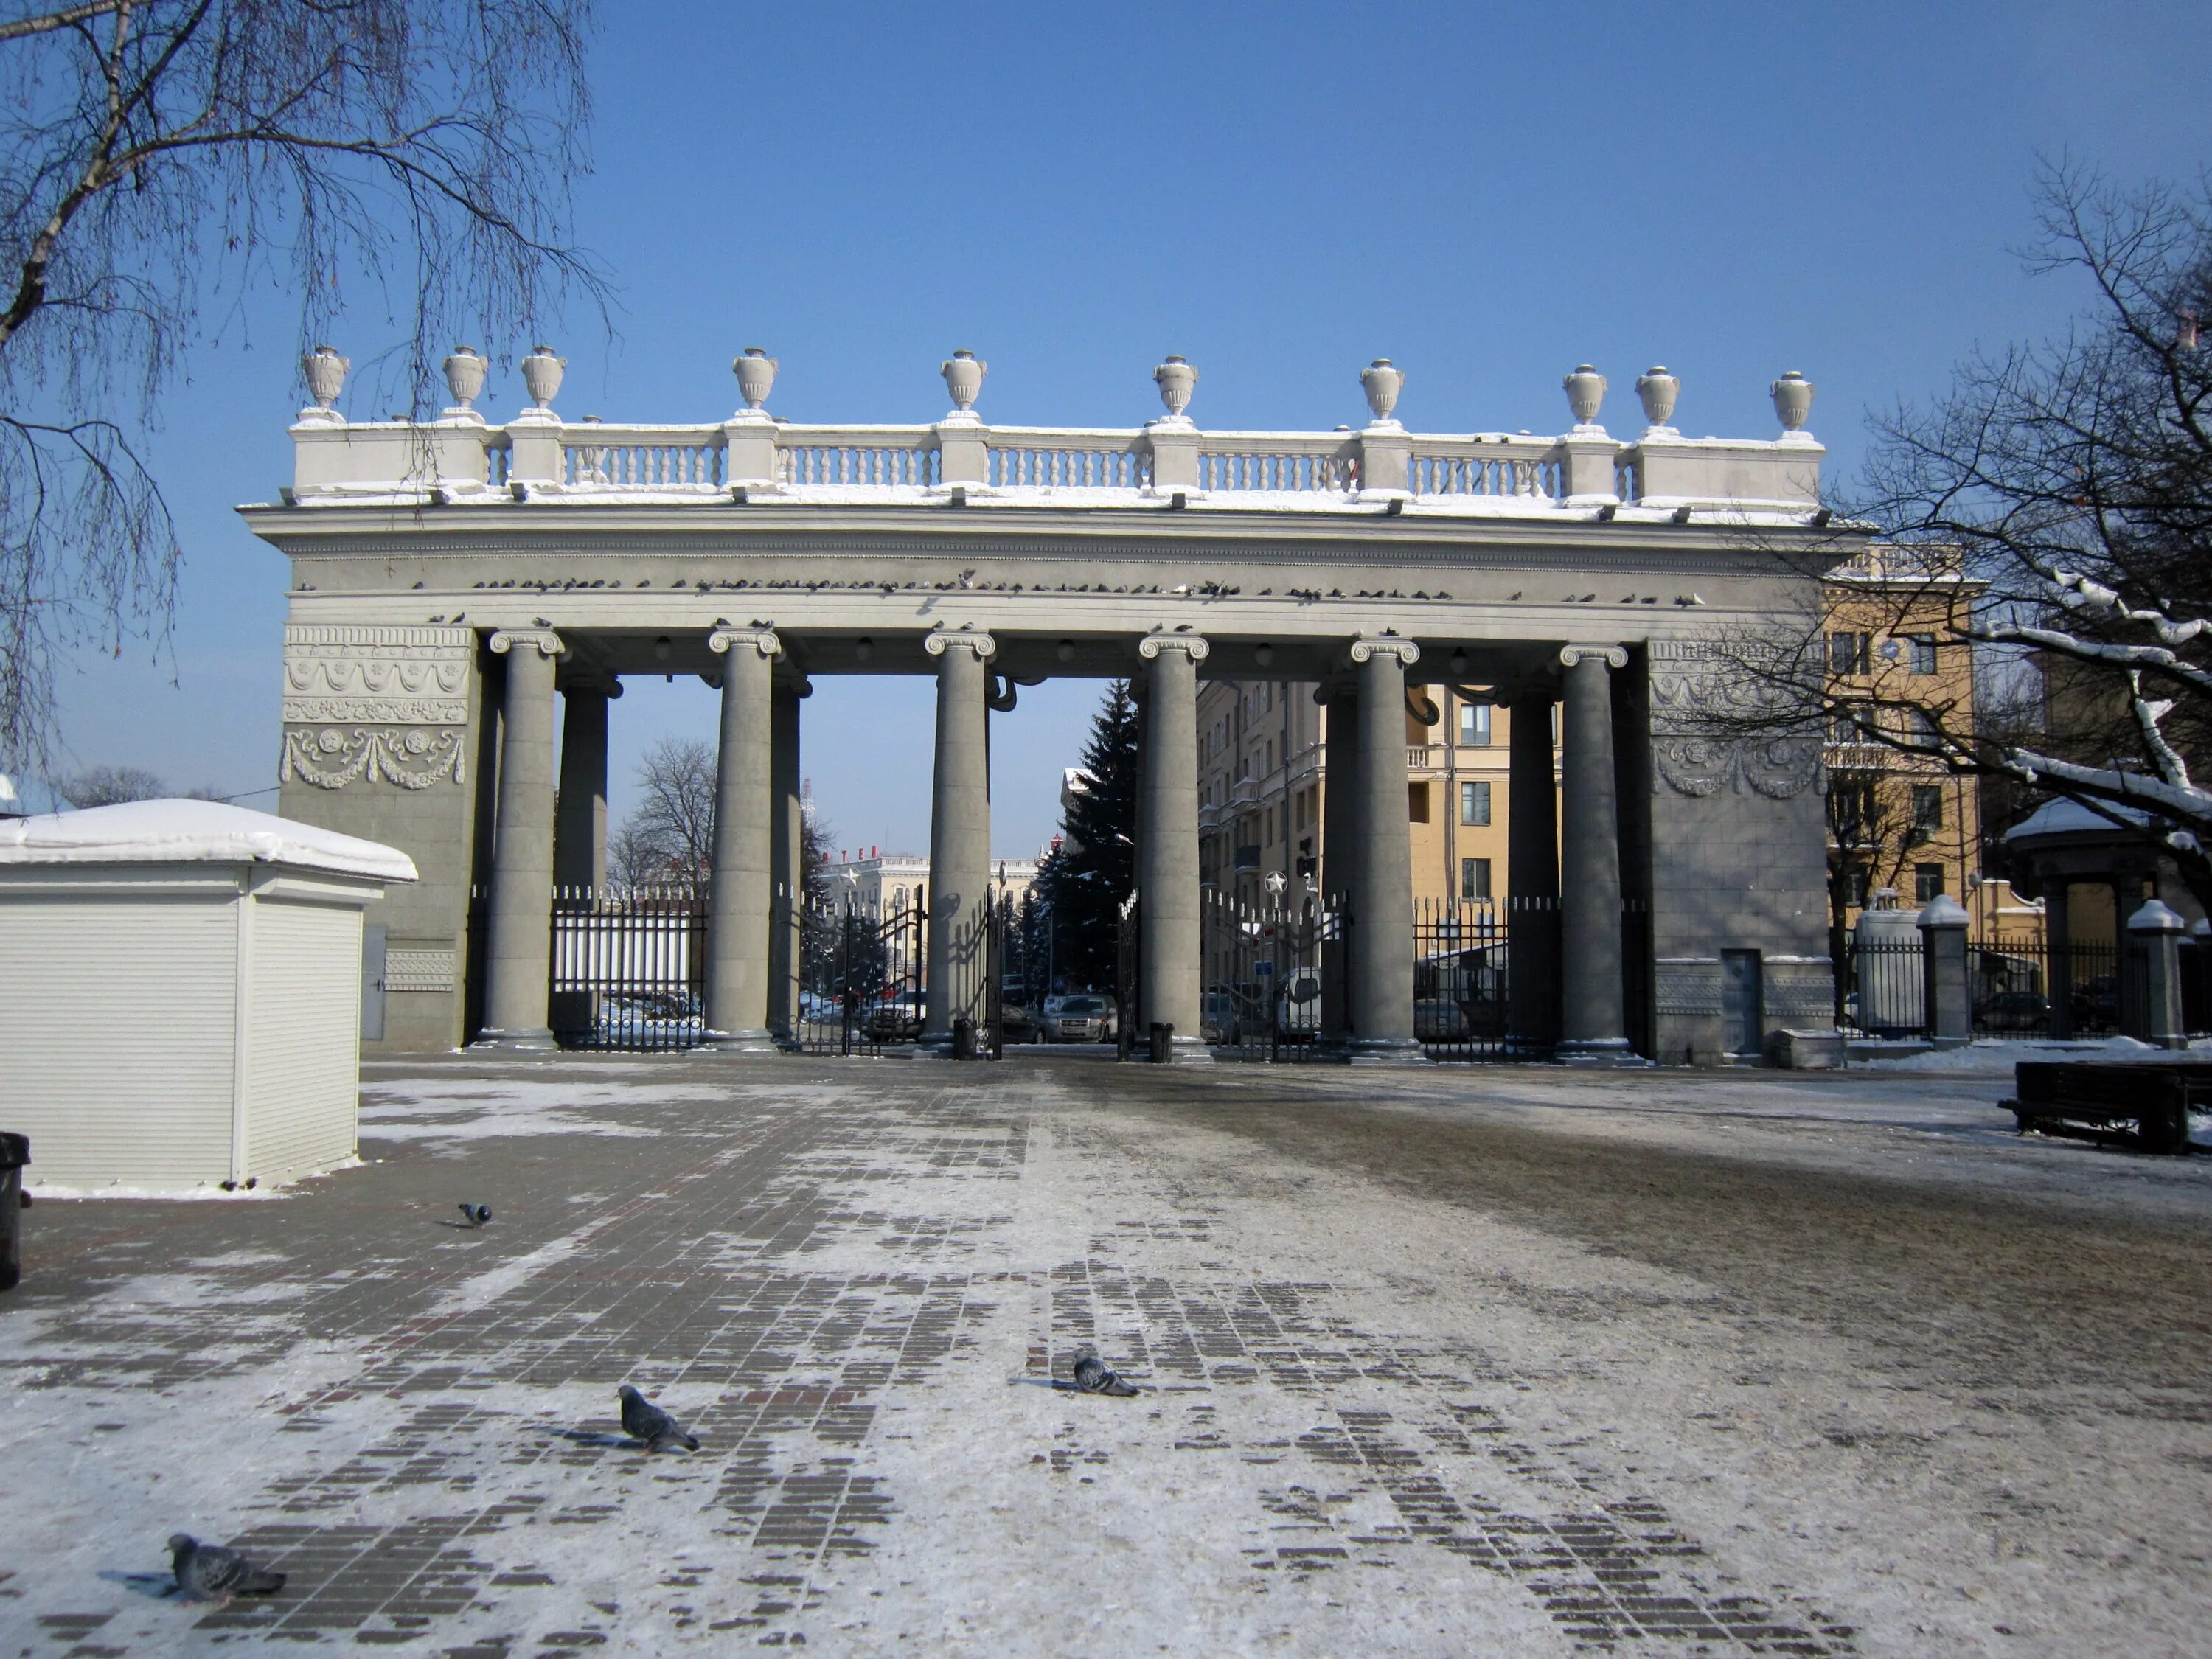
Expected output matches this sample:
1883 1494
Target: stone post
2155 930
580 830
1946 989
738 898
1170 968
787 867
1174 444
1340 700
959 831
1592 1013
1532 873
1380 996
520 947
2058 956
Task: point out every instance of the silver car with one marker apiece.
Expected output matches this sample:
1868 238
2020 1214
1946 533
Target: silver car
1083 1018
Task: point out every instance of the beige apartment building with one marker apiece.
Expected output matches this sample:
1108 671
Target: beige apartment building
1261 779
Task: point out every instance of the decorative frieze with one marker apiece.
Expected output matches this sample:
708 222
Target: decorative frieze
1799 989
1687 984
377 676
413 758
411 968
1706 722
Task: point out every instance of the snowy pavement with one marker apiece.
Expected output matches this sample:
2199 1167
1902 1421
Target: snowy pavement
1472 1360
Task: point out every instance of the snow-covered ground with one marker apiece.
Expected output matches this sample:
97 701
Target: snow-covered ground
1489 1360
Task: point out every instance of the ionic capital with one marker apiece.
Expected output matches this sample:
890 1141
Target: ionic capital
1189 644
762 639
939 641
1404 651
547 641
1615 656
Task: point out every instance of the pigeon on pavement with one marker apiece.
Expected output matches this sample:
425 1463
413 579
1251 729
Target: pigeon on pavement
643 1420
477 1214
208 1572
1092 1377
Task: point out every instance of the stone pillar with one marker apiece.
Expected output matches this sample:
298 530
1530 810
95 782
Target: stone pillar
1592 1024
1946 990
1380 994
579 828
520 947
787 867
1532 873
737 899
2155 930
1170 970
2058 958
959 832
1340 700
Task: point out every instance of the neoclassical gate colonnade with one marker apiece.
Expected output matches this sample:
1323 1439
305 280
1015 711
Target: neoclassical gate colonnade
460 590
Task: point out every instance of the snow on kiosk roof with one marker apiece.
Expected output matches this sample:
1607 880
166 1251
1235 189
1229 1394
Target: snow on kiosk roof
194 832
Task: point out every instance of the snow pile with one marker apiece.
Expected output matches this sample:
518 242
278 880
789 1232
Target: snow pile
193 832
1998 1055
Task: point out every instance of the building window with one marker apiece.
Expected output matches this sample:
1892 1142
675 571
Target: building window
1927 882
1416 802
1855 886
1474 803
1923 647
1851 653
1475 725
1475 878
1927 811
1921 731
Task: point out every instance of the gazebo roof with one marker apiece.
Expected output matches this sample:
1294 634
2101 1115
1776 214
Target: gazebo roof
2070 817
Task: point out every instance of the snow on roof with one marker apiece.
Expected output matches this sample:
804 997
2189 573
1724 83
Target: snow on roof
2070 817
193 832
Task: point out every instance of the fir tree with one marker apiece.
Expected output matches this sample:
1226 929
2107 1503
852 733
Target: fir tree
1089 878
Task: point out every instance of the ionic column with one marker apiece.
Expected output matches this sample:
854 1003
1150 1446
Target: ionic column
1171 968
1592 1014
1380 996
1532 873
520 947
959 831
737 907
786 865
579 829
1340 700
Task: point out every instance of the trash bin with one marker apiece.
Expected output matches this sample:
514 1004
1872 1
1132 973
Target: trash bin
14 1153
963 1038
1163 1036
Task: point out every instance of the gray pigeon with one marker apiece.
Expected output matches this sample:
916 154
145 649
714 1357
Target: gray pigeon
208 1572
643 1420
1092 1377
477 1214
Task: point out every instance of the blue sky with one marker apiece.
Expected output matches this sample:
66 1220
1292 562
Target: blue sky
1487 194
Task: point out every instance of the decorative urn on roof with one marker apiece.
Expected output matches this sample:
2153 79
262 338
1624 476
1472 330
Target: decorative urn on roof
1585 390
541 375
326 373
1793 401
963 378
1658 390
464 379
1382 383
755 372
1176 380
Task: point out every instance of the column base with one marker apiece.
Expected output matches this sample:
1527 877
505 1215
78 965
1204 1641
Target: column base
1386 1051
737 1044
1599 1053
526 1041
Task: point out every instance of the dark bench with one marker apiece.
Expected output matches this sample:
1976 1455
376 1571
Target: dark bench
2146 1105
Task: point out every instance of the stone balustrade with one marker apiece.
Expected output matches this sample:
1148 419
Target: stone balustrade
754 458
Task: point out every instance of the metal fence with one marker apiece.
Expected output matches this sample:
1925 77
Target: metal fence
1261 982
864 976
2017 989
629 967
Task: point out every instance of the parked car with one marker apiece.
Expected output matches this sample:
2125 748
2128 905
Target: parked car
1086 1018
2013 1010
1436 1019
897 1017
1019 1024
1233 1014
1298 1007
649 1019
